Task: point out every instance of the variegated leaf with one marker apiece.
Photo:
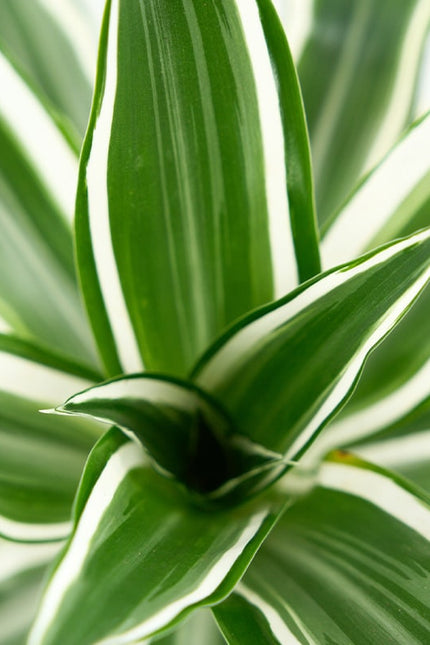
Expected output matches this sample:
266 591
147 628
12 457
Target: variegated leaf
195 180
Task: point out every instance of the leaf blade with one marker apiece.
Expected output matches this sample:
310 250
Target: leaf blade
266 351
341 565
213 265
228 551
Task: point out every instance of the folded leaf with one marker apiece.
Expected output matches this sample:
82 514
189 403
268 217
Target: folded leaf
38 169
54 44
141 557
22 569
187 434
283 371
194 138
367 55
350 563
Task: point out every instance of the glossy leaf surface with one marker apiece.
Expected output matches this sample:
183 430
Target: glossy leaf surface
283 371
350 563
358 72
141 556
193 139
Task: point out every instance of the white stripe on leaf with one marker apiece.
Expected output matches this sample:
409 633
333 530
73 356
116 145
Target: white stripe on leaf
98 207
285 272
247 338
402 90
31 380
212 580
154 390
297 19
27 532
383 413
380 491
39 137
378 198
127 458
409 450
16 558
75 27
278 627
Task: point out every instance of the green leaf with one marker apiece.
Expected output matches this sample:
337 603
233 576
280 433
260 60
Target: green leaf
22 569
38 169
367 55
349 564
185 432
194 136
283 371
404 410
55 46
41 457
199 628
141 557
401 444
392 201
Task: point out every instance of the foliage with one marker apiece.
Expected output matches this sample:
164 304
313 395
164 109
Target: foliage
233 374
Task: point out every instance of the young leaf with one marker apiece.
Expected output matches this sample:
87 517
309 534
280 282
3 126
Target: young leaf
346 564
141 557
367 55
193 139
283 371
38 169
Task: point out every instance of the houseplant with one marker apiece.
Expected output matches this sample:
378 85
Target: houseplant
190 249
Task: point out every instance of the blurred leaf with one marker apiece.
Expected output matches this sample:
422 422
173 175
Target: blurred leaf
358 72
22 569
41 457
53 43
38 169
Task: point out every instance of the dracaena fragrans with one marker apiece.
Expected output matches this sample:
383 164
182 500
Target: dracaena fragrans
219 458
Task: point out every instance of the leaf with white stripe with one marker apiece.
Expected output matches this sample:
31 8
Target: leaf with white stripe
141 556
401 442
183 429
41 457
38 171
391 202
283 371
196 134
22 570
55 44
368 56
349 564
